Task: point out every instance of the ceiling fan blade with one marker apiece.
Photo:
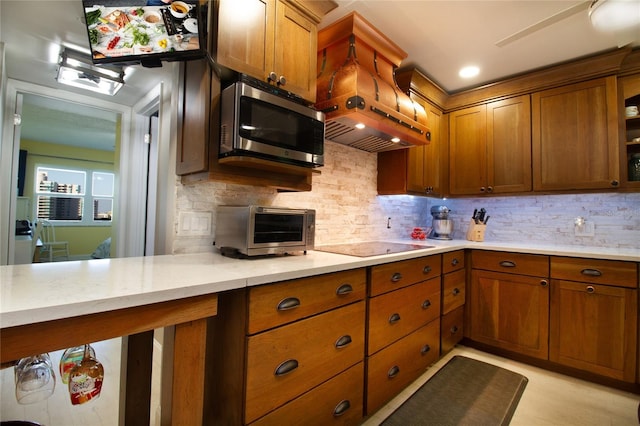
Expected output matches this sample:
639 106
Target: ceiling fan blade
577 8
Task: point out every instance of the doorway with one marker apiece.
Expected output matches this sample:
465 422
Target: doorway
9 163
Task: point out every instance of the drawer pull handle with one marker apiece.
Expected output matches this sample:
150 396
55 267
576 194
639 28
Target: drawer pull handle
343 341
344 289
396 277
286 367
591 272
590 289
455 262
455 291
394 318
426 304
288 303
508 264
425 349
426 269
393 372
341 408
454 329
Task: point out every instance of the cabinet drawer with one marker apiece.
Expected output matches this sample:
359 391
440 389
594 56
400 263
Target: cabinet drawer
394 315
393 368
338 401
597 271
277 304
452 261
288 361
453 290
512 263
392 276
451 329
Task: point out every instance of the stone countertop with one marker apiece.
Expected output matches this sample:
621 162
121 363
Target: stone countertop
48 291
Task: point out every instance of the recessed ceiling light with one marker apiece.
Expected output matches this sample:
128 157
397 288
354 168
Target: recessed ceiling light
360 126
468 72
395 140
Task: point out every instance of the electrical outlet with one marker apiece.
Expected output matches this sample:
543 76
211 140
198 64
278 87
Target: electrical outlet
583 228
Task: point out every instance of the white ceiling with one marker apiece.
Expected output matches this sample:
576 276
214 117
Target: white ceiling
439 36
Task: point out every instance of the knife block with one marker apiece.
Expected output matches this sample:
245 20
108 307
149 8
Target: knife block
475 232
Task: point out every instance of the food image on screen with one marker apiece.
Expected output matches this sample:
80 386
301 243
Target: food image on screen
132 31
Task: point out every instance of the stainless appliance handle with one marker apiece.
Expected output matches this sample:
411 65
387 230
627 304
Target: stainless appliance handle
280 211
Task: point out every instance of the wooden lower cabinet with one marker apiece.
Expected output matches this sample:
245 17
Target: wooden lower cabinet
594 319
396 366
451 329
290 360
396 314
510 312
338 401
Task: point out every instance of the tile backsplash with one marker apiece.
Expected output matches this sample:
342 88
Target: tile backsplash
348 209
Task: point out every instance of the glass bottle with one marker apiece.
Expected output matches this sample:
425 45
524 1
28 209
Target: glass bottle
85 379
70 358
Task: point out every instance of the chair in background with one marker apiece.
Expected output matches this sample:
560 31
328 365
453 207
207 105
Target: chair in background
52 249
36 242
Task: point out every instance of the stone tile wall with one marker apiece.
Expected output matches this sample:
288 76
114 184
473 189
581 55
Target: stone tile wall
348 209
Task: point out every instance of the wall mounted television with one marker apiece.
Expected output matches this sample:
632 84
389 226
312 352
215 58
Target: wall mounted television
139 32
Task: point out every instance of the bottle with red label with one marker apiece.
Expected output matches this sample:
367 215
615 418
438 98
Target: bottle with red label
70 358
85 379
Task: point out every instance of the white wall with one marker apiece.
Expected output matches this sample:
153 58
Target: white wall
349 209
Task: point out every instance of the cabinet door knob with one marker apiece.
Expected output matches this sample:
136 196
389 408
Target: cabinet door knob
455 291
455 262
394 318
426 269
508 264
288 303
344 289
489 188
393 372
544 283
286 367
426 304
482 189
341 408
425 349
281 81
454 329
396 277
590 289
272 76
614 183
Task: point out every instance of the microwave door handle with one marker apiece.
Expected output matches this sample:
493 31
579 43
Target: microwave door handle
282 211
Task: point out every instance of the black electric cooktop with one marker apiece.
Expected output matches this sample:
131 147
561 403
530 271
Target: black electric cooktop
371 248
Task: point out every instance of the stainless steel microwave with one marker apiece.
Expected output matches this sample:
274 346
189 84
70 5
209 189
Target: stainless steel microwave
258 230
267 122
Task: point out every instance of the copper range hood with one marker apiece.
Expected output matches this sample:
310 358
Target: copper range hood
356 86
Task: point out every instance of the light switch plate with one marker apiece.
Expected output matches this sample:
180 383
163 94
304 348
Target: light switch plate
194 223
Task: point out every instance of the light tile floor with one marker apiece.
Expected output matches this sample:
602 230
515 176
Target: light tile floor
550 399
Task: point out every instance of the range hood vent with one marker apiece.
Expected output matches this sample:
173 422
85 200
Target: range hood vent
356 86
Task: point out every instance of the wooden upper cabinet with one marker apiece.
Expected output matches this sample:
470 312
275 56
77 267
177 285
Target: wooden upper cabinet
509 145
575 136
194 99
269 36
427 165
490 148
468 151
